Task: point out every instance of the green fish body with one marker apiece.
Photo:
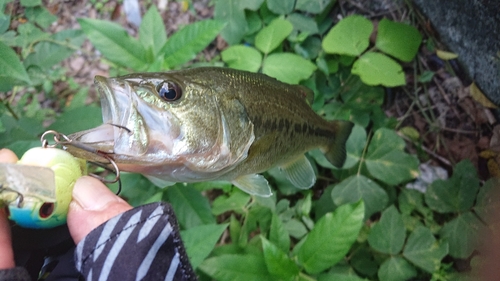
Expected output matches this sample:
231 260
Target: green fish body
211 124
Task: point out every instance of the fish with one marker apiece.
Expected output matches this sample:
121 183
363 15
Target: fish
211 123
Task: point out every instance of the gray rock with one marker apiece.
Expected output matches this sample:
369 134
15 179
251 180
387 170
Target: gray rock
470 28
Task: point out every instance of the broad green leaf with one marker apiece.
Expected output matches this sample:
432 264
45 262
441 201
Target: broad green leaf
296 228
350 36
11 69
398 39
190 206
423 250
231 12
462 235
280 7
20 147
354 146
114 43
396 269
303 23
324 204
271 36
70 121
31 3
378 69
251 4
200 241
152 33
386 161
456 194
278 234
48 54
358 187
236 267
341 227
40 16
287 67
236 201
340 277
488 202
186 43
242 57
4 23
362 260
388 235
360 96
277 261
313 6
27 34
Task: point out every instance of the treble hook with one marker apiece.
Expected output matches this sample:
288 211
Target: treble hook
61 139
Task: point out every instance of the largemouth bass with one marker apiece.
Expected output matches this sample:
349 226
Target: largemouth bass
211 123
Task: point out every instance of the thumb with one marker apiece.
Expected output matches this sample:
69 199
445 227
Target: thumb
93 204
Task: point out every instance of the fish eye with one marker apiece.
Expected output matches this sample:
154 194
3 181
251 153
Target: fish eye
169 91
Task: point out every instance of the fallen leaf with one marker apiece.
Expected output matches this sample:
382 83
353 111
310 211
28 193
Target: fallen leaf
478 96
446 55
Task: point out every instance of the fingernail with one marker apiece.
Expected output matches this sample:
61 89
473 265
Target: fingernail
91 194
7 156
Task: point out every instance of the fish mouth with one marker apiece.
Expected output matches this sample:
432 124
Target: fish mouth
121 131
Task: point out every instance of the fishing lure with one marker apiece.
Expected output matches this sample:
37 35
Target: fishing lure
38 188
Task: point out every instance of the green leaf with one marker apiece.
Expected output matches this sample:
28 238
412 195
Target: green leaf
231 12
354 146
424 251
287 67
278 234
488 202
200 241
341 227
303 23
40 16
242 57
281 7
186 43
350 36
31 3
456 194
386 161
271 36
48 54
190 206
70 121
313 6
152 33
378 69
277 261
340 277
389 234
462 235
396 269
251 4
133 195
398 39
11 69
236 267
236 201
114 43
358 187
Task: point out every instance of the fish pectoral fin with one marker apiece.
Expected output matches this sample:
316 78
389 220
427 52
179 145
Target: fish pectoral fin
300 172
159 182
253 184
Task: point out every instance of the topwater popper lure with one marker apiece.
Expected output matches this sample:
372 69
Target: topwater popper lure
38 188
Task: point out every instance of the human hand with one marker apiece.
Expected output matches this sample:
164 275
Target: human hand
93 204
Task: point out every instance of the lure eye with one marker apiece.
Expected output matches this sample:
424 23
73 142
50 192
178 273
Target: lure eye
46 210
169 91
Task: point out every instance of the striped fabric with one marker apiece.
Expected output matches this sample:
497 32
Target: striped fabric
141 244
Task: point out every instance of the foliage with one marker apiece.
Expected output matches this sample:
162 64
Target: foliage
359 222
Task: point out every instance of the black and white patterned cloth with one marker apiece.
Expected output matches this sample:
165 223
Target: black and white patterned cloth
140 244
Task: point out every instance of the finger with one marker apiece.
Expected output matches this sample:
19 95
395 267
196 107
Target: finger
7 255
7 156
93 204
